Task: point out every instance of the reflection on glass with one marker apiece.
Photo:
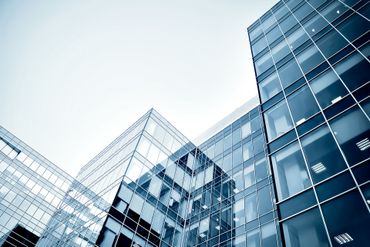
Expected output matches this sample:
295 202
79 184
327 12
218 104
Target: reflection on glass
246 129
302 105
322 154
251 207
351 209
327 88
259 46
278 120
290 171
249 175
268 234
289 73
253 239
352 131
305 230
297 38
351 70
239 215
309 58
280 51
263 63
269 87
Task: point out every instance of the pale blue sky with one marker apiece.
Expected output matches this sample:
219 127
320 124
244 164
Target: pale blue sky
76 74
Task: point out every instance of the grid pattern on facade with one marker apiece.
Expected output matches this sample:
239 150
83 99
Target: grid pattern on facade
311 61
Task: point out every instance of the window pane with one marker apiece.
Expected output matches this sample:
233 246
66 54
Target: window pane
278 120
305 230
259 46
251 207
331 43
269 87
315 25
290 171
268 233
289 73
303 11
328 88
246 129
349 216
302 105
273 35
261 169
351 70
322 154
352 131
309 58
247 151
333 10
288 23
280 51
239 215
354 27
249 175
263 63
297 38
264 200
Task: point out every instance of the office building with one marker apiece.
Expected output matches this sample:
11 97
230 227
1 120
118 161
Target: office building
288 169
311 62
31 189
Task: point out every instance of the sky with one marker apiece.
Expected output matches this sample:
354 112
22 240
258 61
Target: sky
75 74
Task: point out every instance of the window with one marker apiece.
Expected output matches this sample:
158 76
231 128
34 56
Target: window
309 58
288 23
303 11
269 87
239 215
255 33
264 200
290 171
249 175
347 216
261 169
322 154
239 182
227 142
327 45
263 63
302 105
327 88
289 73
333 10
251 207
258 144
268 233
354 27
351 70
280 51
247 150
305 230
259 46
278 120
352 131
315 25
297 38
246 129
236 135
237 157
273 35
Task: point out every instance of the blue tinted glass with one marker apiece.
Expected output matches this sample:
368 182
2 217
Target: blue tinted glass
289 73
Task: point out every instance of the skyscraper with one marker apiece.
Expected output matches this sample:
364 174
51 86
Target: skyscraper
311 62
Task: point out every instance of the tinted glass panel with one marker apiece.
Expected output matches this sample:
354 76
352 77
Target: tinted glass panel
305 230
349 216
278 120
328 88
290 171
352 131
309 58
351 70
263 63
302 105
269 87
322 154
331 43
289 73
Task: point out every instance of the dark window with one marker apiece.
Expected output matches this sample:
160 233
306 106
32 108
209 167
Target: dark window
328 88
305 230
348 220
352 131
302 105
289 73
322 154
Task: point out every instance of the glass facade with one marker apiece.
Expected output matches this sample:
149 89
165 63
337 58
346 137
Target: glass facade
31 189
311 59
293 170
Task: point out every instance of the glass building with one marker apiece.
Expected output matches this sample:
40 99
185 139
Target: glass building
31 189
288 169
312 67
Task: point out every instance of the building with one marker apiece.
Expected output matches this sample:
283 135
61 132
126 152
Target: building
311 61
31 189
290 169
